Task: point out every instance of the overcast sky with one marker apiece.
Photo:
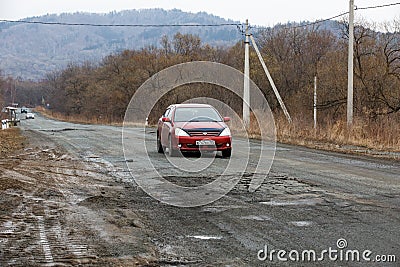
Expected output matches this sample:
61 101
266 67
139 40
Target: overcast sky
259 12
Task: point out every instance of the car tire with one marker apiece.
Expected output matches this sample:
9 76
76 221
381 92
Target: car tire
160 148
171 151
226 153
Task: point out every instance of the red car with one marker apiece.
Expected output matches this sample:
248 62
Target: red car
193 128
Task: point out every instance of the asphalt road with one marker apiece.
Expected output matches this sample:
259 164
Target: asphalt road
338 206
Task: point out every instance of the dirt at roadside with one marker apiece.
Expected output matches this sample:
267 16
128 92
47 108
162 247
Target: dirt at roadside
58 210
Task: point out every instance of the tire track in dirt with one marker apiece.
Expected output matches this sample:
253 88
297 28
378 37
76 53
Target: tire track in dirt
43 240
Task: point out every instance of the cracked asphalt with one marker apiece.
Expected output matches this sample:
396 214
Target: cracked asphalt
68 199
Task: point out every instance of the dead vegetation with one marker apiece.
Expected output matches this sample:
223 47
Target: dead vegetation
380 135
10 140
75 118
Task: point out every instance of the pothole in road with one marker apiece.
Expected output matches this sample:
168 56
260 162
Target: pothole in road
65 130
190 180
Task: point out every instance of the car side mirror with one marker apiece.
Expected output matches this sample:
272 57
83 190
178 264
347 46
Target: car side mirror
166 119
226 119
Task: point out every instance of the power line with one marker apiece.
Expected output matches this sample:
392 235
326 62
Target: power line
118 25
372 7
239 25
337 16
317 21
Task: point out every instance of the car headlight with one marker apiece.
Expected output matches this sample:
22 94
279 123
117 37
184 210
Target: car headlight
180 132
225 132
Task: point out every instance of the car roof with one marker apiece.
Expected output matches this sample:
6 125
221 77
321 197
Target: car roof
191 105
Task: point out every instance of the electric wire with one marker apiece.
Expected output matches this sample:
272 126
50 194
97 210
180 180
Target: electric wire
379 6
118 25
238 25
335 17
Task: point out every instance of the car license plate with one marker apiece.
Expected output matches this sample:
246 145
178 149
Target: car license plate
205 143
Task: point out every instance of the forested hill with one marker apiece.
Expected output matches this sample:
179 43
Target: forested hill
32 50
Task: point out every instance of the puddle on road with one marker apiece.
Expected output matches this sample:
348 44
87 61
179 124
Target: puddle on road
298 202
205 237
9 228
256 217
215 209
302 223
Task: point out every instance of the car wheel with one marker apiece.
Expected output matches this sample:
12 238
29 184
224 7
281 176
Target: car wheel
171 151
160 148
226 153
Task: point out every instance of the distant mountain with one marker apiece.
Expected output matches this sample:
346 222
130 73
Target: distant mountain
32 50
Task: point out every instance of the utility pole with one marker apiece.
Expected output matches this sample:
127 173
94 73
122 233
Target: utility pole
315 102
246 87
350 66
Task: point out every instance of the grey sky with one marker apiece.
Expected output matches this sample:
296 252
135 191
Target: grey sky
266 13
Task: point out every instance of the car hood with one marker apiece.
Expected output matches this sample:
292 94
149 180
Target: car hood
201 126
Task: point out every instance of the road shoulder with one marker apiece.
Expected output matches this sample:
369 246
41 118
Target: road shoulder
56 208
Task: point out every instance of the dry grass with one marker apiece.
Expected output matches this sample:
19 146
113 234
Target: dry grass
382 134
75 118
10 140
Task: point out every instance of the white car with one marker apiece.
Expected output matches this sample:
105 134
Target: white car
30 115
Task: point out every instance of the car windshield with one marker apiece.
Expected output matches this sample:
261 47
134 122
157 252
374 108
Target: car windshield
196 114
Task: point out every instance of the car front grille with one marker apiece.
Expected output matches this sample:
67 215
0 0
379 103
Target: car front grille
204 133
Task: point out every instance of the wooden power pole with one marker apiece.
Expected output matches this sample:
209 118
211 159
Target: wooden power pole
246 87
350 66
